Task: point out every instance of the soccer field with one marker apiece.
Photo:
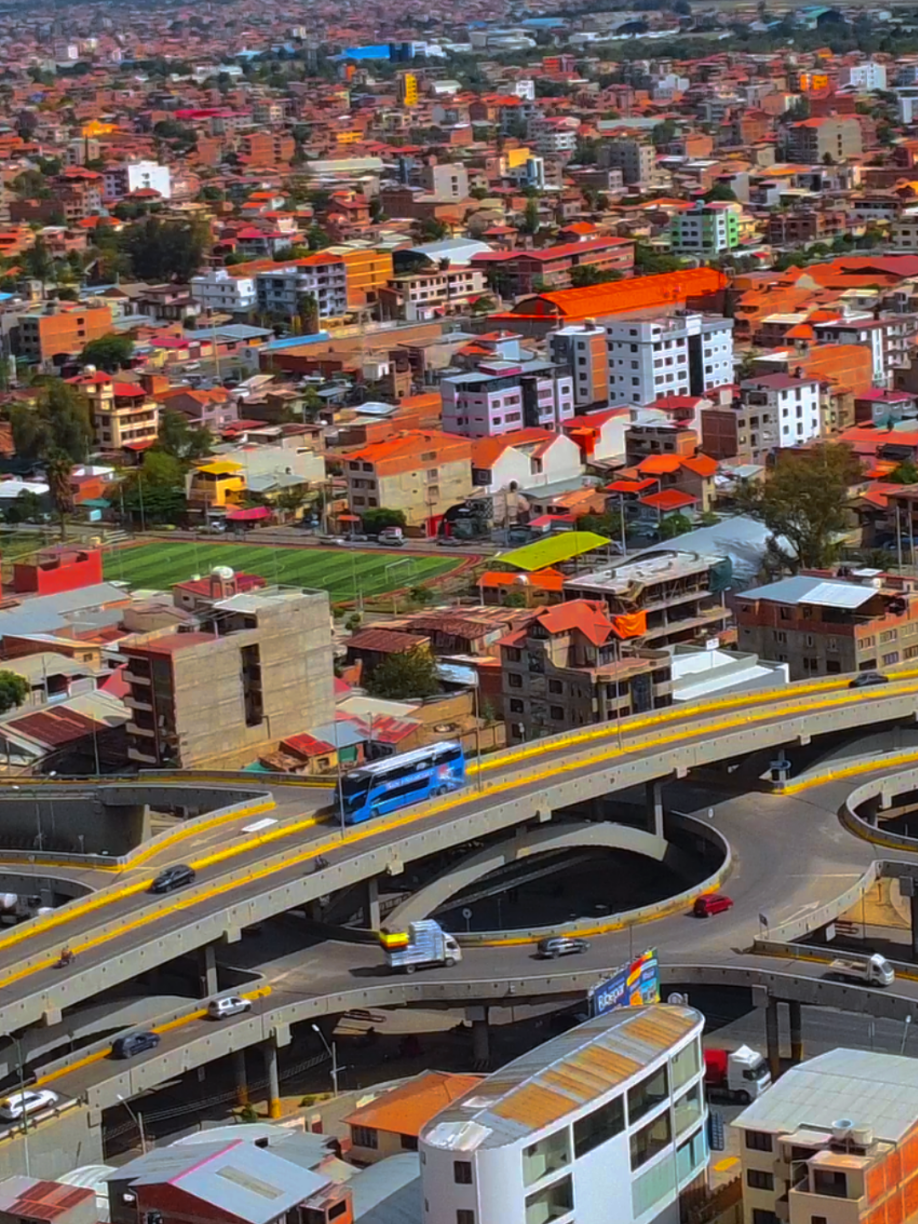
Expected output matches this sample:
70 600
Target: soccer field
341 572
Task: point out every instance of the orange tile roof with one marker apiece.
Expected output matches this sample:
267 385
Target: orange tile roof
655 465
486 451
587 615
405 1110
701 465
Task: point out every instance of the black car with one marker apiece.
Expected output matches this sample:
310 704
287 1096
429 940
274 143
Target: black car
173 877
134 1043
868 680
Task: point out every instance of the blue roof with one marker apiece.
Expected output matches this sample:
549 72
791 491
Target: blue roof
293 341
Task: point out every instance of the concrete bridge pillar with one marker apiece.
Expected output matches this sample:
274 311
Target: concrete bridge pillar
654 807
207 962
269 1049
773 1038
796 1032
242 1083
371 915
481 1046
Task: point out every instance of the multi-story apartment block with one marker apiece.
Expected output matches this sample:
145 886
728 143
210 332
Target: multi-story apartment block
259 669
791 404
281 289
503 396
686 354
891 339
121 412
553 137
825 627
218 291
613 1110
420 472
567 669
445 180
811 140
801 226
674 596
520 272
55 329
706 229
584 350
869 76
834 1140
636 159
427 295
137 176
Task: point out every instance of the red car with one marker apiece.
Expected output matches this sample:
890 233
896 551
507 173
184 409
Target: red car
713 903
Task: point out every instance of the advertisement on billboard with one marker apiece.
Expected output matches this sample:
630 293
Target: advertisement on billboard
631 986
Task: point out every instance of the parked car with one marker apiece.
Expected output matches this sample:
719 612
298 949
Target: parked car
29 1101
560 945
173 877
868 679
135 1043
713 903
232 1005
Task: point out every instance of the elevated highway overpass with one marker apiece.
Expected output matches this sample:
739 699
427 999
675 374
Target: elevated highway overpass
790 855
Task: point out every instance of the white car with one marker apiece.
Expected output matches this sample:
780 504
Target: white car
232 1005
21 1104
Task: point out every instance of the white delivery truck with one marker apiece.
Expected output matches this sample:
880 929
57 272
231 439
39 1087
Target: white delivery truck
739 1075
874 970
425 943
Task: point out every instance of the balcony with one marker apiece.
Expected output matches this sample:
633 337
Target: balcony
145 732
137 703
132 677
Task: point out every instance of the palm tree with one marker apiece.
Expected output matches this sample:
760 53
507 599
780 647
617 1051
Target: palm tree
58 467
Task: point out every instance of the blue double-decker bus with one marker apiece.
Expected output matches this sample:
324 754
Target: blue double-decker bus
385 786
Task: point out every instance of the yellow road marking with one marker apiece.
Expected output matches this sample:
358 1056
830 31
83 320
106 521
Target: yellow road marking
850 771
413 816
98 1055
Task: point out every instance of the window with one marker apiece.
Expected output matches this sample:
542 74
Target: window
462 1172
409 1143
758 1179
889 659
687 1110
649 1140
337 1209
647 1094
763 1217
365 1137
516 706
602 1124
464 1216
514 680
557 713
555 686
758 1141
547 1156
549 1204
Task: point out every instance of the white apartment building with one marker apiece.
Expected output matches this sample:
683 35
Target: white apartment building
835 1139
325 276
425 294
137 176
503 396
219 291
605 1123
553 136
792 404
868 76
687 354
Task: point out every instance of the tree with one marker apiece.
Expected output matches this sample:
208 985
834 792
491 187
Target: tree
109 353
180 439
411 673
648 261
60 421
317 238
608 524
166 250
674 525
154 492
805 501
905 474
13 690
307 308
588 274
37 262
720 191
58 470
421 594
375 520
663 133
531 221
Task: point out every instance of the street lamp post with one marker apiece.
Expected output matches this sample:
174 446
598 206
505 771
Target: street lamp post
332 1051
25 1113
138 1122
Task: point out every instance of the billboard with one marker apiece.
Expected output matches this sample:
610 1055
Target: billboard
631 986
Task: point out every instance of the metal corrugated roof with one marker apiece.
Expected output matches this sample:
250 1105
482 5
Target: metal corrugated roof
875 1090
801 589
561 1076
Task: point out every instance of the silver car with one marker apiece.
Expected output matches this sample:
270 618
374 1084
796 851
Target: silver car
231 1005
560 945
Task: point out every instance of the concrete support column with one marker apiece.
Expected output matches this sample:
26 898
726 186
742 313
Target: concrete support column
481 1048
269 1049
371 916
796 1032
208 969
772 1038
654 807
242 1083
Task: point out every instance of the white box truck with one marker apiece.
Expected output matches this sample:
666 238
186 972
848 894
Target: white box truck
874 970
426 943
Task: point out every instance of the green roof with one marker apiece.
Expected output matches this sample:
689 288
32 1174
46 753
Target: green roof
553 549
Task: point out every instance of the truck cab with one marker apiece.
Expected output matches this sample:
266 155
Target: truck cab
875 970
740 1075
